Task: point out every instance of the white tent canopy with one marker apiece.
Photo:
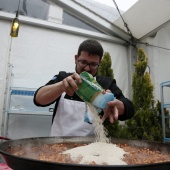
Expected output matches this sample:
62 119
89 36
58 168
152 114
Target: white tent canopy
145 17
149 23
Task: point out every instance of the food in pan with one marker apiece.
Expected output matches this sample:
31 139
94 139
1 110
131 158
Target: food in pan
55 153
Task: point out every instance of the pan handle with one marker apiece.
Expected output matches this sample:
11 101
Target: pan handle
4 138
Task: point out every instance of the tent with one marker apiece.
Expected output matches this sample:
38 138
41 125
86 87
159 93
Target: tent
49 36
151 25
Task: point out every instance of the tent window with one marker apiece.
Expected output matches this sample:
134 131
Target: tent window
32 8
75 22
44 10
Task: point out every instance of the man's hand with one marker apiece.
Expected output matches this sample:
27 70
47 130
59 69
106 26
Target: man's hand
69 84
114 109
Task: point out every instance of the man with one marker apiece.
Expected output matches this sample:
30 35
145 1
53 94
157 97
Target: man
68 116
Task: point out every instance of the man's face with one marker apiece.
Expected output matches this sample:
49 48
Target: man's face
88 63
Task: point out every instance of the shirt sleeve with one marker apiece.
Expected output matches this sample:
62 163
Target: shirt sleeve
52 81
129 108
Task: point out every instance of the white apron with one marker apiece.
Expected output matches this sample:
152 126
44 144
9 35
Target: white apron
69 119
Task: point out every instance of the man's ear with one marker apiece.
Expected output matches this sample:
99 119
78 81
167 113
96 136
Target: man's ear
76 57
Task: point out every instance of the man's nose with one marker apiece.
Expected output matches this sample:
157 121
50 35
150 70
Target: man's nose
87 67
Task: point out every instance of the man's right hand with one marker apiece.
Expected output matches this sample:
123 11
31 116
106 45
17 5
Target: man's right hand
69 84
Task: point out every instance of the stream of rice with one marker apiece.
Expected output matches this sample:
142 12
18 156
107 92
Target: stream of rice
100 152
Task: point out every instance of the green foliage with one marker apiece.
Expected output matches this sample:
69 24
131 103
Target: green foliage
141 64
111 128
105 66
106 70
146 123
167 123
142 91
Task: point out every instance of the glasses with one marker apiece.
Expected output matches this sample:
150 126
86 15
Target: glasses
84 63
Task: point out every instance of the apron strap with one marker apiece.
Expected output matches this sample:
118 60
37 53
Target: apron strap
62 75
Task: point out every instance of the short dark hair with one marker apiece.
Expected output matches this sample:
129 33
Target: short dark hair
92 47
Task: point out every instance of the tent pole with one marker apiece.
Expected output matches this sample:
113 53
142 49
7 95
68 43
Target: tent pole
6 89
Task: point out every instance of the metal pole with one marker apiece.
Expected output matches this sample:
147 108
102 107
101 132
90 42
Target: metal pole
6 90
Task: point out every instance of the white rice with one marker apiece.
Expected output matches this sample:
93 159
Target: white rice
99 152
99 129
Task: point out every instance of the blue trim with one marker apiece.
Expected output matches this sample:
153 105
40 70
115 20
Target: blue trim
163 106
22 92
166 84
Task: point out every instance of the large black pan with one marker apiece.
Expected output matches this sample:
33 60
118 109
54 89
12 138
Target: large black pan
19 163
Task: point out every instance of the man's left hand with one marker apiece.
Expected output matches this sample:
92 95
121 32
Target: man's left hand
114 109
